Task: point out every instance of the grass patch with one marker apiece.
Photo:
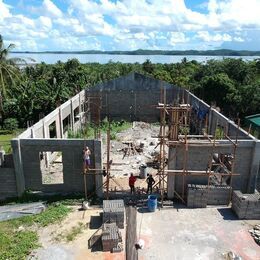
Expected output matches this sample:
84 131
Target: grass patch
16 243
54 213
5 142
88 132
28 196
5 139
71 234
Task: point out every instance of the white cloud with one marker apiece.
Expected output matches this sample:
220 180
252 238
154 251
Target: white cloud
44 22
207 37
72 43
130 24
238 39
177 37
50 9
234 14
4 10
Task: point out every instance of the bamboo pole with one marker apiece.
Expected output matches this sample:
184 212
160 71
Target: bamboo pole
108 160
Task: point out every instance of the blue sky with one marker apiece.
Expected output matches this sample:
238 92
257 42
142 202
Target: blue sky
40 25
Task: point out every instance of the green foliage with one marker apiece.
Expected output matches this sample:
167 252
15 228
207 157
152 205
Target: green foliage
5 141
17 244
219 134
10 124
71 234
88 132
28 196
54 213
228 83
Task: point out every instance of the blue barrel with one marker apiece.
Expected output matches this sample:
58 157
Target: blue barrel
152 203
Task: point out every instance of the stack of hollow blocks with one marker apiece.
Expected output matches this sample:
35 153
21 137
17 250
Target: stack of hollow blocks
113 219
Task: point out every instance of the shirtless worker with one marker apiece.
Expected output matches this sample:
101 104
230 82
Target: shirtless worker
86 158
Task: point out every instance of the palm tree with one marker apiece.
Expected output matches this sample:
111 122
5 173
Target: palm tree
8 72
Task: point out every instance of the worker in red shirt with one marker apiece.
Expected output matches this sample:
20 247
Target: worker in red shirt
132 180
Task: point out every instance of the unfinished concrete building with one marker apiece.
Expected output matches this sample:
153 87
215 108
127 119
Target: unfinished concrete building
204 147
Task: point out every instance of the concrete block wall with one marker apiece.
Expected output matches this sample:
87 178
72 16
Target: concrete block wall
71 150
246 206
199 196
133 97
219 195
41 128
198 158
7 183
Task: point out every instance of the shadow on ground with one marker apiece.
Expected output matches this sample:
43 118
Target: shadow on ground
95 222
97 247
227 214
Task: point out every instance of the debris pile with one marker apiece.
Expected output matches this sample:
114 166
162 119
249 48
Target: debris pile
232 256
255 233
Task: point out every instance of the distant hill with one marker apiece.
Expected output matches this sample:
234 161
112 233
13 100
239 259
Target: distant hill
220 52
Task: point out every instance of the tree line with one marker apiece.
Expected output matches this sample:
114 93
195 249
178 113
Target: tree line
33 91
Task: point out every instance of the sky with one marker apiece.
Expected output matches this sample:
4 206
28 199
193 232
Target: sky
71 25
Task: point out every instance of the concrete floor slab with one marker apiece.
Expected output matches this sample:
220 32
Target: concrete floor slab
183 233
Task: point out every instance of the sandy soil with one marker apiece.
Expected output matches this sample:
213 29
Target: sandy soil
123 166
53 237
54 243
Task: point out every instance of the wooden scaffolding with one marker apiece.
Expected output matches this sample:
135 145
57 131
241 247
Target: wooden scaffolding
174 132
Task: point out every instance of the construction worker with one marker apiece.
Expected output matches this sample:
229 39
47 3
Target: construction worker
150 182
132 180
86 158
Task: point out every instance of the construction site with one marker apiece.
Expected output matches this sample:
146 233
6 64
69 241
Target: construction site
206 171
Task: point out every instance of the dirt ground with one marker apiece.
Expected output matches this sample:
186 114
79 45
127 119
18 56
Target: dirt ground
54 244
53 238
123 165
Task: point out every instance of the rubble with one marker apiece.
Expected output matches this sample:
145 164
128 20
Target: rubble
232 256
255 233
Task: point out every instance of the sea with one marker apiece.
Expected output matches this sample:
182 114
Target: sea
52 58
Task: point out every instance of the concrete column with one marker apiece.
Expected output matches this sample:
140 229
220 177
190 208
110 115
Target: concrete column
210 121
43 129
135 106
171 177
79 104
18 166
71 115
254 168
57 126
32 132
98 165
61 123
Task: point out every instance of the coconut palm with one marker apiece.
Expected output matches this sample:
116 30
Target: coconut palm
9 73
